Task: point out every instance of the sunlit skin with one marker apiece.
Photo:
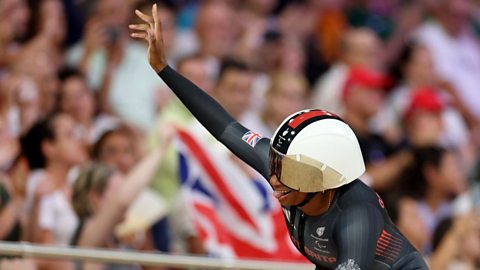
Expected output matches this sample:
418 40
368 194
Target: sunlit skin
318 205
286 196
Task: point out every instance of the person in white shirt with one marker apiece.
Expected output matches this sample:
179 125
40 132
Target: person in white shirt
455 49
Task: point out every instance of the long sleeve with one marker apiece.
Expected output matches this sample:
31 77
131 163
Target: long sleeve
245 144
356 237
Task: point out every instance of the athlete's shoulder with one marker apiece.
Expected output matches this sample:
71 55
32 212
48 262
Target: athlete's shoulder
357 194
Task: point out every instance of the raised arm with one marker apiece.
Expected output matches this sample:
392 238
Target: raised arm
97 230
243 143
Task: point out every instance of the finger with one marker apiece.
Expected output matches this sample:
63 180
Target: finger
140 35
140 27
144 17
156 21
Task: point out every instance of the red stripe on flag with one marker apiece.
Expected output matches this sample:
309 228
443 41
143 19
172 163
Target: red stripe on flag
222 235
244 249
215 176
305 116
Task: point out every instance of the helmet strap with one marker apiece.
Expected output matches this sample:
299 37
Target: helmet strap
307 199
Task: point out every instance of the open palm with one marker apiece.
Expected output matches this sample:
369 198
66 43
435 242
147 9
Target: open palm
151 31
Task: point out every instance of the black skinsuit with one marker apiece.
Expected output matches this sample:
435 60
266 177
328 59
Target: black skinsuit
355 232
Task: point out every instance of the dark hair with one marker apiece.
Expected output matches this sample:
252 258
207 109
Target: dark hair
414 180
405 56
233 64
391 201
68 72
63 75
31 142
440 231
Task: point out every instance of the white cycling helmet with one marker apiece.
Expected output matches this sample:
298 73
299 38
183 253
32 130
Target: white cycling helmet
314 150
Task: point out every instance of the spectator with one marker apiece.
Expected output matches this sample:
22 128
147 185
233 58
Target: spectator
359 47
77 100
52 146
14 18
214 36
12 200
417 73
48 26
453 44
407 217
234 87
433 179
109 60
116 149
456 244
423 118
102 195
21 103
322 49
287 94
363 96
166 180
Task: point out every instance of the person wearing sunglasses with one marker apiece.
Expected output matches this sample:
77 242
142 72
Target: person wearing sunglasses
313 164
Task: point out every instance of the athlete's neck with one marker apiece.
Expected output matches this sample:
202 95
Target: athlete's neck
320 203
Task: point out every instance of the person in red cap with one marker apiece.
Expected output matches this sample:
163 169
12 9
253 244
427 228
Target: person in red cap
363 95
423 117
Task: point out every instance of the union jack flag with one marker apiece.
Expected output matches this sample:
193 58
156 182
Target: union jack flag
234 215
251 138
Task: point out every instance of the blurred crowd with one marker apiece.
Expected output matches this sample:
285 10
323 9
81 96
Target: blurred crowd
86 124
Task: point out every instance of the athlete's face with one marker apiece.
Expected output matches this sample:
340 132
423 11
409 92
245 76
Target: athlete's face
285 195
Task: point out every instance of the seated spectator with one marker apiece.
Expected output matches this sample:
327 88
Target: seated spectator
213 35
363 96
12 201
77 100
101 196
360 47
287 94
406 216
423 118
20 105
453 43
12 215
53 146
456 244
166 181
9 145
116 149
415 72
433 179
14 16
109 59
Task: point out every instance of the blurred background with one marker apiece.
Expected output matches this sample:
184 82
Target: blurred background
95 151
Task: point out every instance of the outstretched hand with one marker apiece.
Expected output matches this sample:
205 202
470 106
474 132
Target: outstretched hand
151 31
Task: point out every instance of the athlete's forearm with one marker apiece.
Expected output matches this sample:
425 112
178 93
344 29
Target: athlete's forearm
205 109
